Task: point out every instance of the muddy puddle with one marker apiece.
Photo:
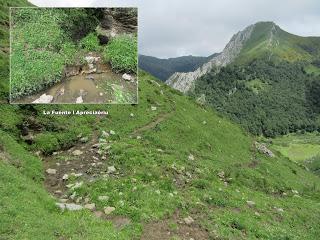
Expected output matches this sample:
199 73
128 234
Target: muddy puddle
103 87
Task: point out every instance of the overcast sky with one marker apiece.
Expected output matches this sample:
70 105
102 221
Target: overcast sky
171 28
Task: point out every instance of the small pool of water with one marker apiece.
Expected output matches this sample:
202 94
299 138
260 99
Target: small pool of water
92 88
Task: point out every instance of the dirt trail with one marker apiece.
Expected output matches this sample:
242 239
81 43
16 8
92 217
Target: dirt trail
160 118
173 228
66 170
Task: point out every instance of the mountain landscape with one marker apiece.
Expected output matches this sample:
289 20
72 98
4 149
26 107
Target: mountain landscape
167 168
265 79
164 68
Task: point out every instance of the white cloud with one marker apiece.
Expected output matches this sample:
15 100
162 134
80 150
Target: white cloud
169 28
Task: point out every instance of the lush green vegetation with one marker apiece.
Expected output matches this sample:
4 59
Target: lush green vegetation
158 166
164 68
122 52
269 41
44 41
264 97
90 42
298 147
41 47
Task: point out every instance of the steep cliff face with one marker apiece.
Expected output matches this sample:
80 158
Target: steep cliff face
185 81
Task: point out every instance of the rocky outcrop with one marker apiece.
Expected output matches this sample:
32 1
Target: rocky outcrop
185 81
44 98
117 21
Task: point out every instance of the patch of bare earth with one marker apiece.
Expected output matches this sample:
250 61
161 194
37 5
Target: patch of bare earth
175 227
83 162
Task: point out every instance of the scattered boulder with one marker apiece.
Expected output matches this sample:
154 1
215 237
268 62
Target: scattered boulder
279 210
44 98
84 139
112 132
79 99
65 177
153 108
51 171
127 77
131 115
251 203
263 149
90 206
69 206
111 169
108 210
73 207
188 220
191 157
77 153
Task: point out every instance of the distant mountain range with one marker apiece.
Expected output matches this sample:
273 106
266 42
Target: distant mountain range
164 68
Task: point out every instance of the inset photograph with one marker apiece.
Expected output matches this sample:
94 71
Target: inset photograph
73 55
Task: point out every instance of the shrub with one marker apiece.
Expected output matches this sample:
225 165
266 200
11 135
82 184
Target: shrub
122 53
90 42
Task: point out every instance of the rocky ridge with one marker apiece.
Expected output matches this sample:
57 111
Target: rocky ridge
185 81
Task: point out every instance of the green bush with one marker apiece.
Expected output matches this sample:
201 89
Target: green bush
90 42
122 52
46 143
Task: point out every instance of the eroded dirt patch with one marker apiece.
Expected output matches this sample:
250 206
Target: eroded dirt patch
173 228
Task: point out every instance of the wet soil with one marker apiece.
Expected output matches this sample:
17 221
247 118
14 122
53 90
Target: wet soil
100 87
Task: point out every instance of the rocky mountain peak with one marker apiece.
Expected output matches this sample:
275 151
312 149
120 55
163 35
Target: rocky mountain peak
185 81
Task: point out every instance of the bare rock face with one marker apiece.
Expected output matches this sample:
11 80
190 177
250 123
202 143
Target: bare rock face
44 98
117 21
185 81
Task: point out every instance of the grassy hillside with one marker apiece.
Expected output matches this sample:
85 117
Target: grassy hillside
171 169
174 154
269 41
4 44
164 68
272 88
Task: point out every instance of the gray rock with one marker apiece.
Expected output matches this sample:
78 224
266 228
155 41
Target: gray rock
185 81
90 206
77 153
188 220
51 171
79 99
65 177
112 132
73 207
127 77
108 210
262 148
44 98
69 206
111 169
251 203
84 139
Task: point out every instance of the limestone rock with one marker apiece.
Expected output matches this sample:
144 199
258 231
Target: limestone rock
44 98
185 81
127 77
77 153
51 171
188 220
108 210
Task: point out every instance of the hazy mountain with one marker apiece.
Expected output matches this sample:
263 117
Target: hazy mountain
164 68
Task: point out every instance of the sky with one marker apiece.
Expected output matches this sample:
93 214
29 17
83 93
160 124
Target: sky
172 28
